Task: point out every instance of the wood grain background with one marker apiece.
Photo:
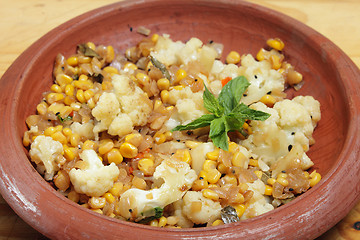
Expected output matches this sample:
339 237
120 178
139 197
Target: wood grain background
22 22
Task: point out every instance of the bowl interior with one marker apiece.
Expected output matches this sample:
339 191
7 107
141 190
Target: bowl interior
243 27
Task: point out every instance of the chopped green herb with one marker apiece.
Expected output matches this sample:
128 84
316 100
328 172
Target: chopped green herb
227 113
150 215
88 52
97 77
63 119
160 66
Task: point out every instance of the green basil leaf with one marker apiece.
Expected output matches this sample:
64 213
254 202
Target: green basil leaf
232 92
150 215
211 103
218 133
250 114
202 121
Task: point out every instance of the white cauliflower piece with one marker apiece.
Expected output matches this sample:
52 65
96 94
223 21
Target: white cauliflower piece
133 100
83 129
258 204
210 210
266 80
178 178
45 150
165 50
311 105
96 179
183 221
190 51
106 108
121 125
198 155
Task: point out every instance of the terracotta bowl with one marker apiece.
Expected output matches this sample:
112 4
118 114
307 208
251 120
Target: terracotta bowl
330 76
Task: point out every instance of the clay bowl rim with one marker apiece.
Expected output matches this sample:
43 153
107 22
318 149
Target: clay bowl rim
21 203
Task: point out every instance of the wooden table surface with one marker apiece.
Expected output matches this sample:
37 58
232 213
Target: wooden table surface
24 21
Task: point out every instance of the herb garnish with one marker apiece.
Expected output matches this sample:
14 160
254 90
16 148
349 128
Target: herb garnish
63 119
150 215
160 66
227 113
88 52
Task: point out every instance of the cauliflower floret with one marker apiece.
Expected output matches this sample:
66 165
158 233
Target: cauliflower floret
165 50
261 77
183 221
96 179
258 204
178 178
121 125
190 51
209 212
106 108
133 100
84 129
198 155
311 105
45 150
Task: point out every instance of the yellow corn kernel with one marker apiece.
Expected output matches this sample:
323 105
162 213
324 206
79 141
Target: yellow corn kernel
84 59
178 87
163 84
271 181
239 159
142 78
74 196
58 128
91 45
222 168
146 165
183 155
157 104
268 190
154 223
199 184
55 88
168 135
162 221
116 189
41 108
84 85
139 183
128 150
105 146
54 97
164 95
110 54
258 174
240 209
154 37
88 94
109 197
170 108
239 198
67 131
209 165
91 103
159 138
268 100
83 78
217 222
68 100
306 174
203 175
293 77
58 136
88 144
129 66
69 154
110 70
233 57
114 156
275 61
80 96
233 147
180 74
282 181
49 131
72 61
63 79
230 179
191 144
213 176
315 178
254 163
282 175
211 194
214 155
97 202
97 210
260 55
276 44
134 138
74 139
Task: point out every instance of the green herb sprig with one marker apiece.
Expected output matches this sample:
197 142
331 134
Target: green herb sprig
227 113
